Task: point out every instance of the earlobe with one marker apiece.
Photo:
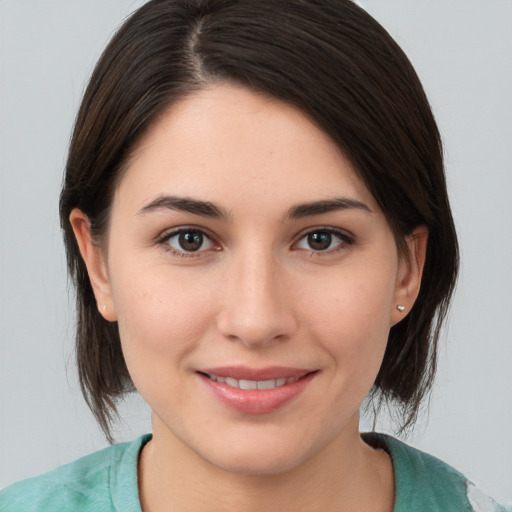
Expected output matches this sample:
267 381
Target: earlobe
410 273
94 260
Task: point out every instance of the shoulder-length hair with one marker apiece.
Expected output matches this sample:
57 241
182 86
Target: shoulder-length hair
335 63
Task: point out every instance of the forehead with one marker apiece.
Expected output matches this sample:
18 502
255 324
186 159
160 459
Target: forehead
227 143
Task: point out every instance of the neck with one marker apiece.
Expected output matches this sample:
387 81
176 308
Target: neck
346 475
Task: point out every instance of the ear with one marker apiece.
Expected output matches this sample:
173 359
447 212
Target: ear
94 259
409 274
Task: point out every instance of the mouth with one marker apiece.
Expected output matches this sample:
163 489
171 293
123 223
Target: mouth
252 384
252 391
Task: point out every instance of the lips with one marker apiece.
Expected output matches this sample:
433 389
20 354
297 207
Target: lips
253 384
256 391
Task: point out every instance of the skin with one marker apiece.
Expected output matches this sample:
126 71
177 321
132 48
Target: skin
254 294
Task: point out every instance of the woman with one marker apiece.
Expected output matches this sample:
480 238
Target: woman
256 219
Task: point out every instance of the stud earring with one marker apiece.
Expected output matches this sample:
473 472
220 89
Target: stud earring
400 308
104 307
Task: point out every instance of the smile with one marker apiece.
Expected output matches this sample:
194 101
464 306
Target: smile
253 384
256 391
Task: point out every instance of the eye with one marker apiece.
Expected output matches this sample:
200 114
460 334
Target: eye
187 240
325 240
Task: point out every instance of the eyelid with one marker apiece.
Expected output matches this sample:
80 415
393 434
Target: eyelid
165 236
346 237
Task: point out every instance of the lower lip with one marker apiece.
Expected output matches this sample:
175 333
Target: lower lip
256 401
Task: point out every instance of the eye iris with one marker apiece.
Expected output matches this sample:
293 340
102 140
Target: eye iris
319 241
191 240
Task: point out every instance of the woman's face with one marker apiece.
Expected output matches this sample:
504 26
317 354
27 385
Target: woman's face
244 252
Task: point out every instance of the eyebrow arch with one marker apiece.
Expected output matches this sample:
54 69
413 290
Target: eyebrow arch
326 206
184 204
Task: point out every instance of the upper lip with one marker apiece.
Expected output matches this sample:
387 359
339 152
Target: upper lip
244 372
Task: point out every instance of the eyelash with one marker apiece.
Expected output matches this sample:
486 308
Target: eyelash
163 241
343 236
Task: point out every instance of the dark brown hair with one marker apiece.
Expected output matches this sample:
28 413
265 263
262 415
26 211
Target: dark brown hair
330 59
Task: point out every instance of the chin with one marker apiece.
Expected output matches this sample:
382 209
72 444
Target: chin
258 462
257 453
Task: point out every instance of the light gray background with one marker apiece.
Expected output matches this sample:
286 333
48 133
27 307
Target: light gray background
462 50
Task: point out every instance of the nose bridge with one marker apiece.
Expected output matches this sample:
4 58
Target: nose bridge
255 309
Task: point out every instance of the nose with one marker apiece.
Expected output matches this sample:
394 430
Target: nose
256 308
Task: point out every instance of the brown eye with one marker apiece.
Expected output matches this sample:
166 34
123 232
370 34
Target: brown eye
319 241
183 241
190 241
324 240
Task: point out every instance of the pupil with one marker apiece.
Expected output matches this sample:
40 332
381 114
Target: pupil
319 241
191 240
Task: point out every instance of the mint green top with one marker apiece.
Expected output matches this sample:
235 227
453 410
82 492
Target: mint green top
106 481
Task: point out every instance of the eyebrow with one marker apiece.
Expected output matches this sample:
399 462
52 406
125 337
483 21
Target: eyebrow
208 209
326 206
185 204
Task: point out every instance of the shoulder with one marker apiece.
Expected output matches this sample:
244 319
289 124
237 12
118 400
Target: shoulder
423 482
93 482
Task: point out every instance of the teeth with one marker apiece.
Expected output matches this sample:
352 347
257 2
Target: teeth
232 382
269 384
247 384
253 384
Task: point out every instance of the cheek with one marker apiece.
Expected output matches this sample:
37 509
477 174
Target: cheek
159 321
351 318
